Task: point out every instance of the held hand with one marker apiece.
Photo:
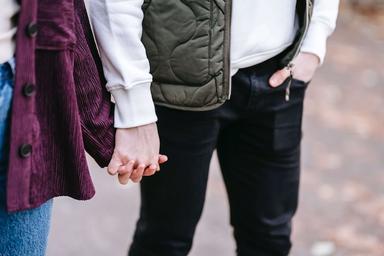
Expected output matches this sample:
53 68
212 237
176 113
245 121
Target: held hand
127 172
136 153
304 68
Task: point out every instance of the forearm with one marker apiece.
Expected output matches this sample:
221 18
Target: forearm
322 25
118 28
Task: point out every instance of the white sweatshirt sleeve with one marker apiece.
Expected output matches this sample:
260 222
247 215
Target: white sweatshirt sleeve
117 26
322 25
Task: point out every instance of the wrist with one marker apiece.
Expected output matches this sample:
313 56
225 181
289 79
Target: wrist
316 40
134 107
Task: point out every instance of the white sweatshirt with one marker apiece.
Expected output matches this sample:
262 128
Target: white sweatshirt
260 30
9 8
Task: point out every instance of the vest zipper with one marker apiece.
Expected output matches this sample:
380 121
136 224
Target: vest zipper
290 65
288 88
308 7
227 50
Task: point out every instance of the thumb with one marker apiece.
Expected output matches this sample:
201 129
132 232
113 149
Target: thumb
279 77
114 165
163 159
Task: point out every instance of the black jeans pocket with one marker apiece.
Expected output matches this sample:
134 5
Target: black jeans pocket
265 96
300 83
282 118
287 126
297 89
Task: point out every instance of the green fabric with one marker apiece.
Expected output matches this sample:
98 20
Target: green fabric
187 44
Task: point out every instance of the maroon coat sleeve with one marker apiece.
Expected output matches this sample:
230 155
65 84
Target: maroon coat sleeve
95 106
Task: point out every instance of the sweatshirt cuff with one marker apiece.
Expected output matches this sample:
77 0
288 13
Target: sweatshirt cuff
315 41
133 107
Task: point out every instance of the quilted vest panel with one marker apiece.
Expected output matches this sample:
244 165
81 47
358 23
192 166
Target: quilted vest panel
187 44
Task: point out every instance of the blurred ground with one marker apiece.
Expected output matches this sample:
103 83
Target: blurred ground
342 192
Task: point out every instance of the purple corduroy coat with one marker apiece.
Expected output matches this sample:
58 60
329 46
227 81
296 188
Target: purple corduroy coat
60 106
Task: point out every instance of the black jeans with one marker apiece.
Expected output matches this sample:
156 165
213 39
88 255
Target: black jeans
257 135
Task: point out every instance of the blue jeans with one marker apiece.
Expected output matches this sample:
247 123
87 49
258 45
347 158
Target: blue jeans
23 233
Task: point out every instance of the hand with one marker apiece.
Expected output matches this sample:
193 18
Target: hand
136 153
304 68
128 171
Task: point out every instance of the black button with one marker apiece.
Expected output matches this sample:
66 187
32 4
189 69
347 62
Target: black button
32 29
29 90
25 150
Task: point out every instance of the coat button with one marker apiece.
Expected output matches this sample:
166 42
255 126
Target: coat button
32 29
29 90
25 150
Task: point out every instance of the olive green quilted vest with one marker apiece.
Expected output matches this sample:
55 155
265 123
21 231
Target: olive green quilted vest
188 47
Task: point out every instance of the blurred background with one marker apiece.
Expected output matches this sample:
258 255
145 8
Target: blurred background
342 192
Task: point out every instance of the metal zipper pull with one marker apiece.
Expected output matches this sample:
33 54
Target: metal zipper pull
289 67
288 89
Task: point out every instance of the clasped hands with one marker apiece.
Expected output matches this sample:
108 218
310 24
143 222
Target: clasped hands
136 153
304 68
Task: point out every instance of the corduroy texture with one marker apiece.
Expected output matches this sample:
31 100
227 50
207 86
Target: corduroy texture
70 111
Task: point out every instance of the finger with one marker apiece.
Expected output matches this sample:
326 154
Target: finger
138 173
125 172
163 159
124 178
113 166
279 77
150 170
128 168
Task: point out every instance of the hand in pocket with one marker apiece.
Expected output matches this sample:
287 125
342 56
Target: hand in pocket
304 68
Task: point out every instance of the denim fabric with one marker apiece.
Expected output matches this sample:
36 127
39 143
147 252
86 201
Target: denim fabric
23 233
6 88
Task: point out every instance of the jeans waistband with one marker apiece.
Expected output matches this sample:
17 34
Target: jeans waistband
265 67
